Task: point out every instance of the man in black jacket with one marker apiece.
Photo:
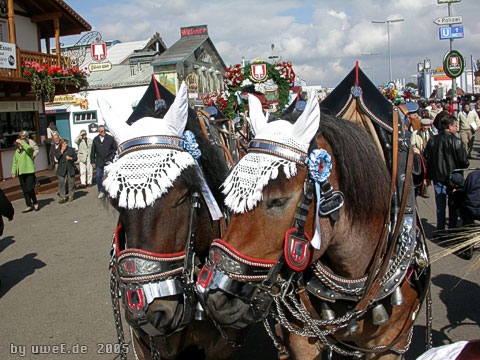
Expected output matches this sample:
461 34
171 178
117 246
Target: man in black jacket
443 154
66 157
103 152
470 210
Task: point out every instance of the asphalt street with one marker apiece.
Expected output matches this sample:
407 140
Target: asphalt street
55 297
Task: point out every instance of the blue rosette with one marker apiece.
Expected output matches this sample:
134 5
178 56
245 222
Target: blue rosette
191 145
319 165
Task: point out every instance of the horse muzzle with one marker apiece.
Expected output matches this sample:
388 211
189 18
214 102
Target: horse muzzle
230 287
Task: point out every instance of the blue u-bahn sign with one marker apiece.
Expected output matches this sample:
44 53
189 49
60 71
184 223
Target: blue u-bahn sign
454 32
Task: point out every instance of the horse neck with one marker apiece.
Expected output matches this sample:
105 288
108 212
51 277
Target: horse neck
352 246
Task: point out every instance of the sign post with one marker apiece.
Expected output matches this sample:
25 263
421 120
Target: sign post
449 20
452 57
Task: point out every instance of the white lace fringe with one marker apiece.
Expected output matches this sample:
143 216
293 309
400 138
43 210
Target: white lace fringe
140 178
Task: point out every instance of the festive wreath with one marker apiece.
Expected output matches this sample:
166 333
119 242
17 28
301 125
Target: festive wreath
239 79
218 99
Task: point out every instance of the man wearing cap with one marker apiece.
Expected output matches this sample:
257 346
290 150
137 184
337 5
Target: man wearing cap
443 154
419 140
469 123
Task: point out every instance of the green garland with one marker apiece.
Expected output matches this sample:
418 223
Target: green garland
272 73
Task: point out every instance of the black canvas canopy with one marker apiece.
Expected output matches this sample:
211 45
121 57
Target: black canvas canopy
356 85
358 100
146 105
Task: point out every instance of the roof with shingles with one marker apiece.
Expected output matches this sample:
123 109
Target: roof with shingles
120 76
179 51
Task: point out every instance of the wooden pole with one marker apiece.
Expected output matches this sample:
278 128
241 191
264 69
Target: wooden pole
11 22
56 23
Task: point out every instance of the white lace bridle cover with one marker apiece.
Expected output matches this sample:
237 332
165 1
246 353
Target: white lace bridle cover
140 177
244 186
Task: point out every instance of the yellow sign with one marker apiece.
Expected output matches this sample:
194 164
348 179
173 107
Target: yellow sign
64 99
106 66
68 99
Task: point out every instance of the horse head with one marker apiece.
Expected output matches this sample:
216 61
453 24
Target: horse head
276 225
160 184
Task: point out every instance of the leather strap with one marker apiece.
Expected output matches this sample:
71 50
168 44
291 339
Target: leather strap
200 115
380 250
375 289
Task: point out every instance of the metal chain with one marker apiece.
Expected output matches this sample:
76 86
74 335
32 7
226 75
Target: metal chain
276 342
429 341
154 350
329 283
117 316
312 329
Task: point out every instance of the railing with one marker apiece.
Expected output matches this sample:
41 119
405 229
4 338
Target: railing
24 56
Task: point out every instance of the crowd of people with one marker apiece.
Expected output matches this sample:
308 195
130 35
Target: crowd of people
445 144
91 155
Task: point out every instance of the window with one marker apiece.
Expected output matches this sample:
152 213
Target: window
4 34
85 117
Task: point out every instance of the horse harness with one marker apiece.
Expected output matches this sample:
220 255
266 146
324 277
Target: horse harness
140 277
270 287
230 150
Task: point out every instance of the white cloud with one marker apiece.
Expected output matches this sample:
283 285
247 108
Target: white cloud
322 38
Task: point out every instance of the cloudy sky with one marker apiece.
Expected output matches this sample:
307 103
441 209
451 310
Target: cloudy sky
322 38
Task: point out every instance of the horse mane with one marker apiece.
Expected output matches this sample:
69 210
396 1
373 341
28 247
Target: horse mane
212 160
363 175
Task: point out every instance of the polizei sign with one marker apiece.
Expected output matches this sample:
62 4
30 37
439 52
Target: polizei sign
8 56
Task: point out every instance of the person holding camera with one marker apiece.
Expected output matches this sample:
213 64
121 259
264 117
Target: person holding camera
66 157
22 165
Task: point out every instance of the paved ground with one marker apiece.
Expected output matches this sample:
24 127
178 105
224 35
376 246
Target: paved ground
55 289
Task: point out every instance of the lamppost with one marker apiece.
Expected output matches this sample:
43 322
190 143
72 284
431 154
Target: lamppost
388 22
425 68
373 70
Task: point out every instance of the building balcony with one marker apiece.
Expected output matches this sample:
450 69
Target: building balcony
14 85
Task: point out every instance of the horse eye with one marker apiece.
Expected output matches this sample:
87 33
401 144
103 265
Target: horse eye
277 203
182 199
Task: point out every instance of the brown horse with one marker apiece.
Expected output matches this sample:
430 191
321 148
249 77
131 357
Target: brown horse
258 271
167 220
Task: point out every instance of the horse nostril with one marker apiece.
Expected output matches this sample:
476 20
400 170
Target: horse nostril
164 314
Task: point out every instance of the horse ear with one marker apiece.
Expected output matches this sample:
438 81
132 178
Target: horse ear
257 118
176 116
307 124
115 123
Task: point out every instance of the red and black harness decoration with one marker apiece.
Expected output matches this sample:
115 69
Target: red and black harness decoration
144 276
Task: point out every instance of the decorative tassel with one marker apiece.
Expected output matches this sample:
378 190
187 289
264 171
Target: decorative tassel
149 199
140 201
131 199
317 238
122 201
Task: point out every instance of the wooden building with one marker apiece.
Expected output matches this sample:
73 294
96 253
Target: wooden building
26 28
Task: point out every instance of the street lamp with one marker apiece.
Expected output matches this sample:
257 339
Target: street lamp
425 69
388 22
373 70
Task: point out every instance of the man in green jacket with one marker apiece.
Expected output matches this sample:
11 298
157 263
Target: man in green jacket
22 165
